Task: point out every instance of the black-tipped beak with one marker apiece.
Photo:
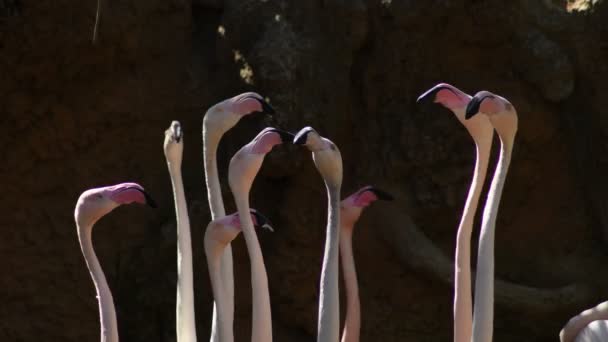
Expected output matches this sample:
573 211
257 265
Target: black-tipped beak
149 200
176 129
382 195
266 107
301 136
474 104
429 95
261 220
286 137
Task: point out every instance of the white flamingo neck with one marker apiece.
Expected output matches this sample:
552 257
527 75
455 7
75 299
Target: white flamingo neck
352 322
185 317
463 302
261 327
328 329
211 139
107 311
483 316
214 252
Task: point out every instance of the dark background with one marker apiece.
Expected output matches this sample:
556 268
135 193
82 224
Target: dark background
76 114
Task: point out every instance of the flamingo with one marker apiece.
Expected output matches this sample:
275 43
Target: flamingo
220 118
482 132
92 205
185 322
220 232
328 161
503 118
243 168
350 210
589 326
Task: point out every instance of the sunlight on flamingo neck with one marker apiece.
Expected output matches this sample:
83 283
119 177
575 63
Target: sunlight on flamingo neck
329 300
483 319
185 316
107 311
463 304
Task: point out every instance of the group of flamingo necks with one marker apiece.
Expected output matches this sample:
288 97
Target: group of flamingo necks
481 115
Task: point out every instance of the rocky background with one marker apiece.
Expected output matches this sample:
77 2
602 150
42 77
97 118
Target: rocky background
75 114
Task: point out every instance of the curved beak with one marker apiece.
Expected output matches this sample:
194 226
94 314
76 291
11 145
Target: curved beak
149 200
474 104
266 107
300 138
261 221
429 95
382 195
286 137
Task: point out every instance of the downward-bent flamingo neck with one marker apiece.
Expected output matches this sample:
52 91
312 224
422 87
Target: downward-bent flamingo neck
107 311
211 139
329 298
185 316
352 322
463 304
483 319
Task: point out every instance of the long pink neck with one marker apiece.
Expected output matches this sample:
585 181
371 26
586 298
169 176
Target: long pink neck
214 252
463 303
483 317
261 329
352 322
107 312
216 206
185 319
328 329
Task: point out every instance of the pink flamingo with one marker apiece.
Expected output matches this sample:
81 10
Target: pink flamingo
328 160
482 132
503 118
185 322
220 118
92 205
243 168
350 210
219 234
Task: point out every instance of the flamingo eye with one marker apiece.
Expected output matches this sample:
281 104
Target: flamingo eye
99 196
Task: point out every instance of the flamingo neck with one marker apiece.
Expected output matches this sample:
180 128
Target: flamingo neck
463 303
107 311
213 252
216 207
328 329
261 329
352 322
185 318
483 316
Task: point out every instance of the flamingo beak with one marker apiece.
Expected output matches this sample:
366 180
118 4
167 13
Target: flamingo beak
382 195
474 104
266 107
301 136
260 220
286 137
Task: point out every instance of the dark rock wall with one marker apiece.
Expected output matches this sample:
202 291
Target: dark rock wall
76 114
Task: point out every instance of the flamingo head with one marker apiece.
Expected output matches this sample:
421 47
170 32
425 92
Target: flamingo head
246 163
325 154
456 101
227 228
224 115
500 111
352 206
448 96
173 145
93 204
